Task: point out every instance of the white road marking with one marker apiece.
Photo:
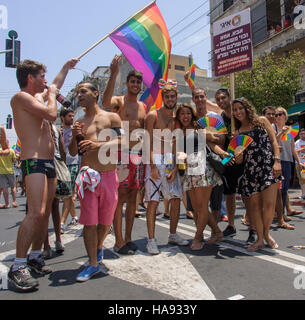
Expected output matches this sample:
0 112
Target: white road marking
275 252
169 272
237 297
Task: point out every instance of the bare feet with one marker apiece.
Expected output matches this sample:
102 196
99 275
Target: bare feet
216 237
196 245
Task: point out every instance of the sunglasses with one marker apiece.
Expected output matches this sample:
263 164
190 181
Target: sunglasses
278 114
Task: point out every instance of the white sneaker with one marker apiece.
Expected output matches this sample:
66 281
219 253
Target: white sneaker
73 222
62 228
176 239
152 247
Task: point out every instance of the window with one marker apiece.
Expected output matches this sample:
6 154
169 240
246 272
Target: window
227 4
179 68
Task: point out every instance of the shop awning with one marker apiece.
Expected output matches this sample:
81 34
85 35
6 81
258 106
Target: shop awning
295 109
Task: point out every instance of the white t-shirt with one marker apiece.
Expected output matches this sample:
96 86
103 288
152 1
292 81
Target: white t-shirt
300 144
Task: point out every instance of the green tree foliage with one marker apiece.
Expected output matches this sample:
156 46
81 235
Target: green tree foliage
273 80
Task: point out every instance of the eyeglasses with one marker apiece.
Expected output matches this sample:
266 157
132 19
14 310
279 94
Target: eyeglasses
278 114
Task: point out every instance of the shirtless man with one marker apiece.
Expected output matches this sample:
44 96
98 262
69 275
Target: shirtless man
133 112
97 202
31 118
161 173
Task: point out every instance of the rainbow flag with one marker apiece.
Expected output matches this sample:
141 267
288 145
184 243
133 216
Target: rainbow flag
18 146
192 72
145 42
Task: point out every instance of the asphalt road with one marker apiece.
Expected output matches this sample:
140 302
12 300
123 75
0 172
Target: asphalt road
221 272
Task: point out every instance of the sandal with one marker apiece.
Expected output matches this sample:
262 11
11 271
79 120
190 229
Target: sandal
196 249
286 226
294 213
189 215
245 222
272 244
255 246
216 237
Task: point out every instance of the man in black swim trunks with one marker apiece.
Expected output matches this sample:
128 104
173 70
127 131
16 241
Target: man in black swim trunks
31 118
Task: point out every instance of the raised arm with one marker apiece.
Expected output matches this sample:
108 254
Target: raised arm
108 100
27 102
61 77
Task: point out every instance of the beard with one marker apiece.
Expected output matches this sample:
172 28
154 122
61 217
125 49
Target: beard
170 108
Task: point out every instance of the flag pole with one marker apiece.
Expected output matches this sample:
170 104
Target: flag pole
109 34
232 92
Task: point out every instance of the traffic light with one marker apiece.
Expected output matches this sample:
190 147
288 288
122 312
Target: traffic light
9 122
12 56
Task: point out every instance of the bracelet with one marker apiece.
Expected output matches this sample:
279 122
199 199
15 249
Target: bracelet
277 159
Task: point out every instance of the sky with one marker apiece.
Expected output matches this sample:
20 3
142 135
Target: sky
51 32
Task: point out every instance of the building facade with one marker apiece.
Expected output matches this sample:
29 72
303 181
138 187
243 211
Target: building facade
179 65
273 31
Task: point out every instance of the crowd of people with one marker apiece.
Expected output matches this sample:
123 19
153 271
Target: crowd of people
78 159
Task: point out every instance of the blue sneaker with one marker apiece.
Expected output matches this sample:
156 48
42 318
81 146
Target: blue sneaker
100 255
88 273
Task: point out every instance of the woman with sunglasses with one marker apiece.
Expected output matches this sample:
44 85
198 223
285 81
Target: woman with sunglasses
199 179
287 154
262 170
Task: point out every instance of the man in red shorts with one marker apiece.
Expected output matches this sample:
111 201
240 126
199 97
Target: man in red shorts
97 182
131 169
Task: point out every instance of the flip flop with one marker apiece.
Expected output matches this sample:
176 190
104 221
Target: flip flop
294 213
126 250
286 226
254 247
132 246
2 206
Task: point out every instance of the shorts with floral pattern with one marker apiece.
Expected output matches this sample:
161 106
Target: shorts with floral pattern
210 178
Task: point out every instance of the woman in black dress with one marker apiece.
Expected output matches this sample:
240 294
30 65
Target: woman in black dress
262 170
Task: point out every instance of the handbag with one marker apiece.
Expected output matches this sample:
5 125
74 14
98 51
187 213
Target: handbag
215 162
63 185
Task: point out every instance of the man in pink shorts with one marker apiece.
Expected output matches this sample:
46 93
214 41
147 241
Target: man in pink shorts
97 182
